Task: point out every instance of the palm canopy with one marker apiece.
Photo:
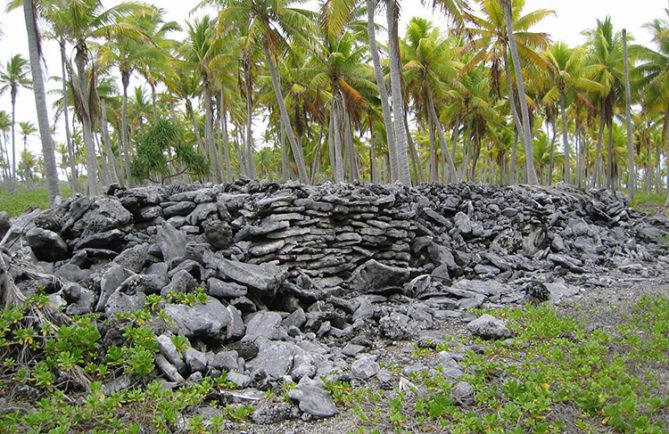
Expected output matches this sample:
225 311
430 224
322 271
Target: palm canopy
27 128
14 75
429 60
569 72
490 43
276 23
606 55
654 66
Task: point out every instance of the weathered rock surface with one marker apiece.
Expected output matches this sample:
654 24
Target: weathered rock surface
302 282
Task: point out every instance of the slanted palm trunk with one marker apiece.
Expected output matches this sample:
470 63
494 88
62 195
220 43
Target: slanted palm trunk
666 142
196 129
209 133
383 93
104 130
526 132
285 119
631 170
336 158
565 144
74 185
403 172
12 182
91 160
250 163
442 137
226 140
125 79
598 149
40 102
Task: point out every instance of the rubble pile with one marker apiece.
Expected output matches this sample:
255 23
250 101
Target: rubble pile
300 280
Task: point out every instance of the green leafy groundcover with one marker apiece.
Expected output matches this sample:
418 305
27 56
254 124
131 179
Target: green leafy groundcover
24 199
555 375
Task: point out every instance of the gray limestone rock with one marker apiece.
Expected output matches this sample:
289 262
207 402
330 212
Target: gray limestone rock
314 400
226 360
201 320
170 352
275 358
195 360
47 245
168 369
172 243
221 289
463 393
489 327
364 368
398 326
264 277
110 282
105 213
373 276
265 324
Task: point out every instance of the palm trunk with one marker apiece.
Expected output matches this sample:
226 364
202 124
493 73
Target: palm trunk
551 167
125 79
609 173
354 172
74 185
154 108
440 130
111 160
104 169
455 136
403 172
338 163
631 170
285 162
415 160
666 142
226 139
209 133
565 144
196 128
250 163
12 184
526 132
298 155
40 102
26 169
598 149
434 173
383 93
317 155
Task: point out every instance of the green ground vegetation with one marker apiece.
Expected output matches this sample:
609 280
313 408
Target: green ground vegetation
557 374
25 199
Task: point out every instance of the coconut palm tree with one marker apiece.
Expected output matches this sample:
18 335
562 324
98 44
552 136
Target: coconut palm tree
502 31
39 92
14 76
606 54
201 50
568 75
81 22
654 72
631 171
274 25
27 129
429 67
340 67
5 128
129 54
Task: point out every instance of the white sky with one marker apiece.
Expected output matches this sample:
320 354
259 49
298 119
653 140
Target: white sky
572 17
